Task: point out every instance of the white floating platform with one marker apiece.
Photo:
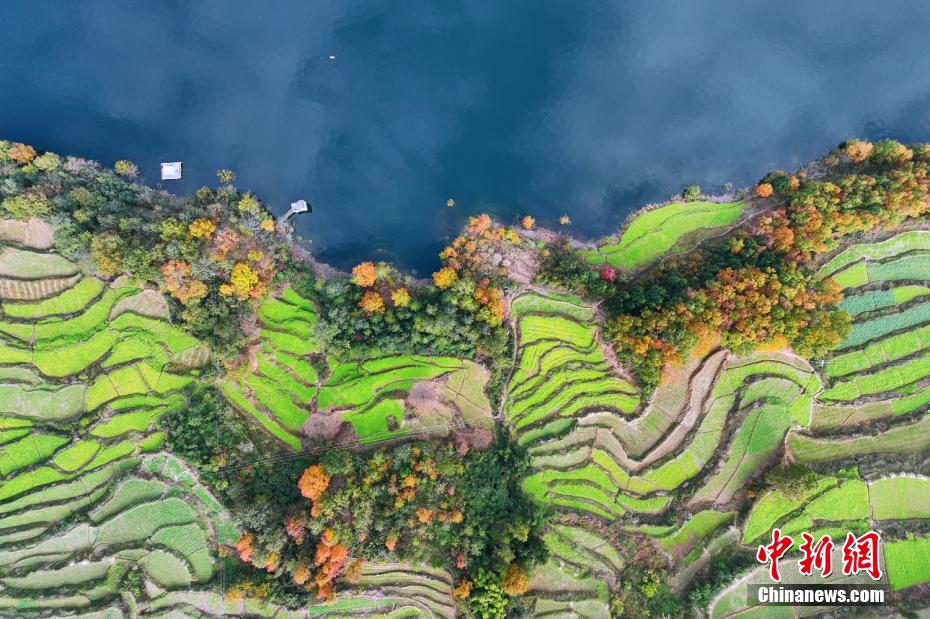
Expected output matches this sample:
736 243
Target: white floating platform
172 171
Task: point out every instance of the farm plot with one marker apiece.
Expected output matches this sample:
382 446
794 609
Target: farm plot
561 370
86 499
734 600
915 240
900 498
610 464
879 370
79 510
835 506
906 562
910 438
557 592
427 589
694 533
280 385
390 397
651 235
293 391
768 392
585 466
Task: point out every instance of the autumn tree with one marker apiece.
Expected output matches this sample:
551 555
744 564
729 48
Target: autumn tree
30 203
107 251
201 229
372 303
365 274
21 153
444 277
858 150
313 482
244 283
226 176
400 297
515 582
180 283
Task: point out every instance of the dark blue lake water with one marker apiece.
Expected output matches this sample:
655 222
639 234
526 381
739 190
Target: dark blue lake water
378 112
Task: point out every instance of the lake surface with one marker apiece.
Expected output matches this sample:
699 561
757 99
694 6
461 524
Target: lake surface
378 112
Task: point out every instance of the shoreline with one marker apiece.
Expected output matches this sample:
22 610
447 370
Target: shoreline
549 235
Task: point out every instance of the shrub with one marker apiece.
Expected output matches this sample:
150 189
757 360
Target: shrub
372 303
793 480
563 268
858 150
47 162
487 600
126 168
515 581
400 297
33 203
887 152
205 432
81 197
691 192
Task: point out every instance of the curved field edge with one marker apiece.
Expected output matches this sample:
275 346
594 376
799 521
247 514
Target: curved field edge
649 237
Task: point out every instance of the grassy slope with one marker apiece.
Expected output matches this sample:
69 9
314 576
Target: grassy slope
672 228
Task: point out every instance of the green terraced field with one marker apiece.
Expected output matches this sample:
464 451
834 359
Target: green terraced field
373 396
877 372
694 532
719 420
88 367
561 369
672 228
293 381
81 502
280 393
899 498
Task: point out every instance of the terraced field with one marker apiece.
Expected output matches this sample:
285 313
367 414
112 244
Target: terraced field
279 386
86 369
392 397
880 371
692 449
294 391
877 376
673 228
86 497
682 461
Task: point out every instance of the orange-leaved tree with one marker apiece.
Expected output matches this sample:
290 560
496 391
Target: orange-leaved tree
372 303
314 482
365 274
